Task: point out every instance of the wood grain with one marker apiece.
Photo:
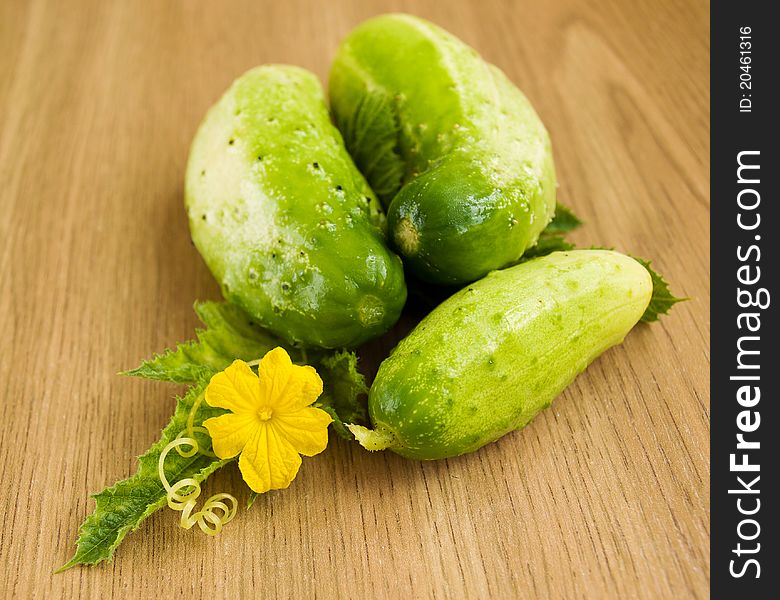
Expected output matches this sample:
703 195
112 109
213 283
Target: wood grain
604 495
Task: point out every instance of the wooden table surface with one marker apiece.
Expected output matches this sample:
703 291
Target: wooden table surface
604 495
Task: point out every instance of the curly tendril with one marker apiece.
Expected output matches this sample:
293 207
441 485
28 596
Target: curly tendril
182 496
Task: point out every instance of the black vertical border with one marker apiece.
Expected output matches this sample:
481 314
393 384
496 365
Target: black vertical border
732 132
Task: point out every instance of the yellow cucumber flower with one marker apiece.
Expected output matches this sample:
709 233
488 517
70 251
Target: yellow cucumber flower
271 422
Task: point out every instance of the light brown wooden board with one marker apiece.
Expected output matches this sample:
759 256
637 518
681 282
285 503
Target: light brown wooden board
604 495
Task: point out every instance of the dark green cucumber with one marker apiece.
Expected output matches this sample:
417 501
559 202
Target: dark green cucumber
489 358
284 220
453 149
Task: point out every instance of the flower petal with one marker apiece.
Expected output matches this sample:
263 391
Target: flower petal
274 372
303 388
236 388
268 461
230 433
306 429
285 386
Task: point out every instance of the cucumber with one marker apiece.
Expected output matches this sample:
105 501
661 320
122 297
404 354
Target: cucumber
284 220
492 356
453 149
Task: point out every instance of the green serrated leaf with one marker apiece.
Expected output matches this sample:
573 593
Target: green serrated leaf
662 299
371 136
121 508
230 334
563 222
545 246
343 397
552 238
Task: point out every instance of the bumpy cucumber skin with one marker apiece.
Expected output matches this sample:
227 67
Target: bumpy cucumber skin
489 358
283 218
453 149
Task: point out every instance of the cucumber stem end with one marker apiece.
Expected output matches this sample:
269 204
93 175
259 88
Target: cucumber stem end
380 438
